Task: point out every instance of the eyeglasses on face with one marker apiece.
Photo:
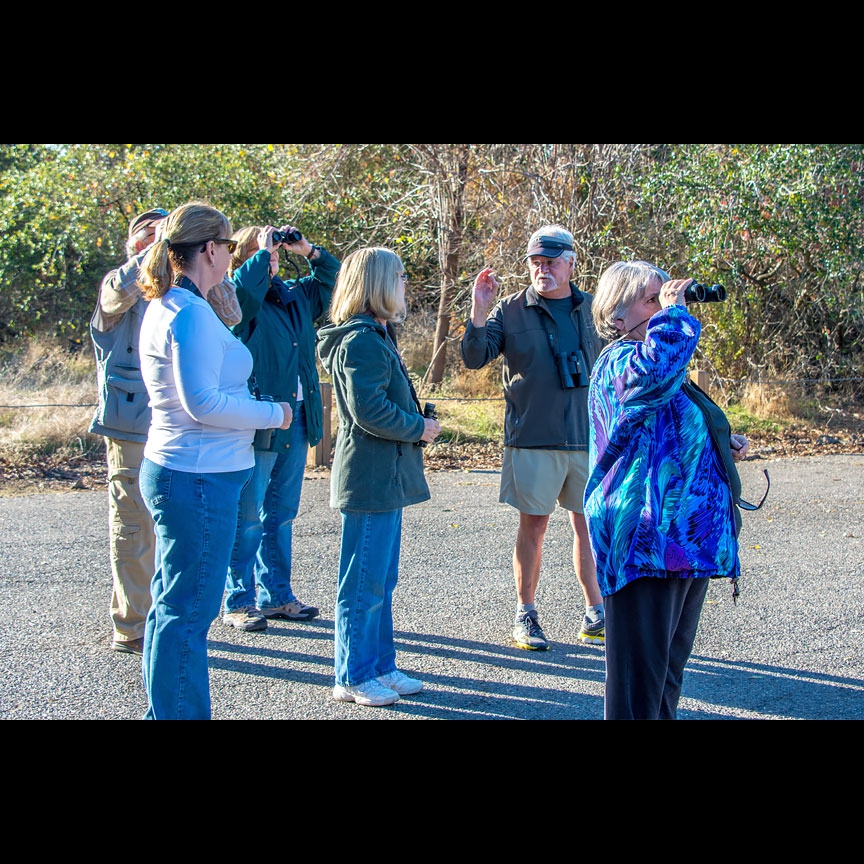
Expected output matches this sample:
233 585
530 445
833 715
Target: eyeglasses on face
231 244
403 277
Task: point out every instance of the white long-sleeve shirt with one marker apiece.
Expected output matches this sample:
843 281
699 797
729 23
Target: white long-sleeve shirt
196 373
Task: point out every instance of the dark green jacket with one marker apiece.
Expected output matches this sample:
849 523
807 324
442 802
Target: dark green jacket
378 463
278 327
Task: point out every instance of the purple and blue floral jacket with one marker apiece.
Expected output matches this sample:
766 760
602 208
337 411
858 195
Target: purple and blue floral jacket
658 500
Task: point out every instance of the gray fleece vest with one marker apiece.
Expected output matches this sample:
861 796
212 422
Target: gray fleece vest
124 407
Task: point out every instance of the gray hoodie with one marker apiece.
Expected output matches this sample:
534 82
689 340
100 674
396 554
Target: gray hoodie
378 463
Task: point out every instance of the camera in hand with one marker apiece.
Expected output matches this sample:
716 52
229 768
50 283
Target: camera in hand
571 370
287 236
428 414
696 293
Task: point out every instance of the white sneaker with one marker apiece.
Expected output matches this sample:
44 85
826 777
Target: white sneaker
372 693
401 683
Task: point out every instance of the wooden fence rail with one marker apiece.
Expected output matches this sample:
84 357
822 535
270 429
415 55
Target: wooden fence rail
319 455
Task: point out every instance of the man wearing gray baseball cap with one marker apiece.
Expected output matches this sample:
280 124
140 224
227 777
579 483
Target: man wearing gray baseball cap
122 417
545 332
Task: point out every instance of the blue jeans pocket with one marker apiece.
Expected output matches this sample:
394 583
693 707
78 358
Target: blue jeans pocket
155 484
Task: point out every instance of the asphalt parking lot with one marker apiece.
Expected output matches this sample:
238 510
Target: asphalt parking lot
792 648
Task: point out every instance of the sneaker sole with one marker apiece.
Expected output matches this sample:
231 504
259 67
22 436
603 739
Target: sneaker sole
246 628
284 617
120 648
525 647
592 640
412 692
340 695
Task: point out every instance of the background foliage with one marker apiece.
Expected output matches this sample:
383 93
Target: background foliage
780 225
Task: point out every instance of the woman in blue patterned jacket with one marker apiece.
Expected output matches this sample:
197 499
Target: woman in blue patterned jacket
661 494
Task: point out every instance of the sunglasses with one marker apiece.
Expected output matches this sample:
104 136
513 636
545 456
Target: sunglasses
231 244
746 505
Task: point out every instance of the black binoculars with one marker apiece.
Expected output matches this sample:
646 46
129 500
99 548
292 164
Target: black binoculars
428 414
287 236
263 437
696 293
571 370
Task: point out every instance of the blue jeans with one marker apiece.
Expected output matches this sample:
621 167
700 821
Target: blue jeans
368 572
261 560
196 519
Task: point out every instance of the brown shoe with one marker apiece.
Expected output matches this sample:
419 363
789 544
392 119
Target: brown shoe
248 619
133 646
294 611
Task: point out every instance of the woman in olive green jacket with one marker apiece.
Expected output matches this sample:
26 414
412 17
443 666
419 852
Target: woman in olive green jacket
377 470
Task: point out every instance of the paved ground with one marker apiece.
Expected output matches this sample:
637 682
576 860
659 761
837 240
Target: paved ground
792 648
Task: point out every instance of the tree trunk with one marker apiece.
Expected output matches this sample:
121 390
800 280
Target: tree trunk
450 180
449 278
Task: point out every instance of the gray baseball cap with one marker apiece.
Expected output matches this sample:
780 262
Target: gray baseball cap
548 247
157 214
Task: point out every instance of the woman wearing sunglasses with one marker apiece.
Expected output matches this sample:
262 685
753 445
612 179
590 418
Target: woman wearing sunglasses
198 455
663 491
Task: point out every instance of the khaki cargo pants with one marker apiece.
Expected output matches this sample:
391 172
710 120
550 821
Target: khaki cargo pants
132 541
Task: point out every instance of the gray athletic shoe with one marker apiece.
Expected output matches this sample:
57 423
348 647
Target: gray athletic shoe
528 634
245 619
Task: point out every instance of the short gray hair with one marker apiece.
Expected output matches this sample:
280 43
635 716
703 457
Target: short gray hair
620 286
557 232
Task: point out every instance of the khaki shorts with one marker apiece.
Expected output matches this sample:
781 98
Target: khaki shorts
534 481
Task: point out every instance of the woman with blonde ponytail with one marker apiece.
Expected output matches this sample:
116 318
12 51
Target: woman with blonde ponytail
198 455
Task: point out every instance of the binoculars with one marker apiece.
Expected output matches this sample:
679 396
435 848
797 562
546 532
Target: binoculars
286 236
571 369
263 437
428 414
696 293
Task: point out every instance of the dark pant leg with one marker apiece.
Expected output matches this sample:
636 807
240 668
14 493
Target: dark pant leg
650 628
692 598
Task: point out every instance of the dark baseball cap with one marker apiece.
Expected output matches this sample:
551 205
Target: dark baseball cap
145 220
548 247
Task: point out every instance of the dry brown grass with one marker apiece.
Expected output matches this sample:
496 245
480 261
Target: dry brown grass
47 396
770 400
